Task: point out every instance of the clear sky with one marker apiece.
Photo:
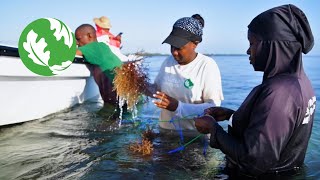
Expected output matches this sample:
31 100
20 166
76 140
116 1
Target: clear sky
146 23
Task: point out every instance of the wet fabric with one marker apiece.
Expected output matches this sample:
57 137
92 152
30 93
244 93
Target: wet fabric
99 54
105 86
271 129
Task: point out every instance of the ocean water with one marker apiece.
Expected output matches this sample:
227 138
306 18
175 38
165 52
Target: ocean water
84 142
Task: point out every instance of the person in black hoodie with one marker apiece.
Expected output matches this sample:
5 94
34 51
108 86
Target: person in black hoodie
269 133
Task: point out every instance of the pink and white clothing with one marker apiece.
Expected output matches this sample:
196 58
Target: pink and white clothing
113 43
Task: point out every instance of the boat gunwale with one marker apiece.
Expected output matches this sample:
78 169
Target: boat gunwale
13 52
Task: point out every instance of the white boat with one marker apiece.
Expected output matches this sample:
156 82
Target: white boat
25 96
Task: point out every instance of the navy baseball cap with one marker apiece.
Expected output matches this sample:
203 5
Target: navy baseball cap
184 30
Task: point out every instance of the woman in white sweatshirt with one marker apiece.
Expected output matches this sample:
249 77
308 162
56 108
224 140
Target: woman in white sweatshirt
188 82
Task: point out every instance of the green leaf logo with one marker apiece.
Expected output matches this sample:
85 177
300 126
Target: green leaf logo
35 49
61 31
188 84
47 46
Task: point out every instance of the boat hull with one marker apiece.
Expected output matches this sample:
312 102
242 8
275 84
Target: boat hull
25 96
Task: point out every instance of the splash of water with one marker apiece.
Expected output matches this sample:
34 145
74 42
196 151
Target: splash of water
133 109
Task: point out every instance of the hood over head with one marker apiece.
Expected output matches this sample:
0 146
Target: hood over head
283 33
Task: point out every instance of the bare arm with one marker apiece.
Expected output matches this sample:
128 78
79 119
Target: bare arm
79 53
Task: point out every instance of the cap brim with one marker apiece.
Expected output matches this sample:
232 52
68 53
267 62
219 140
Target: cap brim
175 41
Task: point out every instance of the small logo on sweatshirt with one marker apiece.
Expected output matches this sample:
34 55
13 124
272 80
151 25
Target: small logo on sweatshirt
188 83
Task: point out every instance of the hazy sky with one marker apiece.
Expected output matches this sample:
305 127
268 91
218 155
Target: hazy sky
146 23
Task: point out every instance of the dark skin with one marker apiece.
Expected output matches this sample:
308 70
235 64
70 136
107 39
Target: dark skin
219 113
205 123
165 101
84 35
253 42
183 56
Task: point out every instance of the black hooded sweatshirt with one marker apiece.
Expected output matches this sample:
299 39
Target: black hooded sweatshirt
271 129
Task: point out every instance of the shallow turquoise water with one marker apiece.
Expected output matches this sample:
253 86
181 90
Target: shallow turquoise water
85 143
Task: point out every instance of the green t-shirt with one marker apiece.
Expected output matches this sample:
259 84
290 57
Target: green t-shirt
98 53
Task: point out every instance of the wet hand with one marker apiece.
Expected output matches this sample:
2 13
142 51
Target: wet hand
205 124
165 101
219 113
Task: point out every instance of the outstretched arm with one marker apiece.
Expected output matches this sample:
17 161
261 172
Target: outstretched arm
219 113
262 140
182 109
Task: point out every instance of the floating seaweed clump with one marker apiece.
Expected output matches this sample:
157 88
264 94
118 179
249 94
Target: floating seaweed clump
145 147
130 82
148 134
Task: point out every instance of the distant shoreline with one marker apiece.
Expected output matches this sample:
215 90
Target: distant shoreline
160 54
145 54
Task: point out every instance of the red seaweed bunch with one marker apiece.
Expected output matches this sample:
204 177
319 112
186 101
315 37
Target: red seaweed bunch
146 146
148 134
130 82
